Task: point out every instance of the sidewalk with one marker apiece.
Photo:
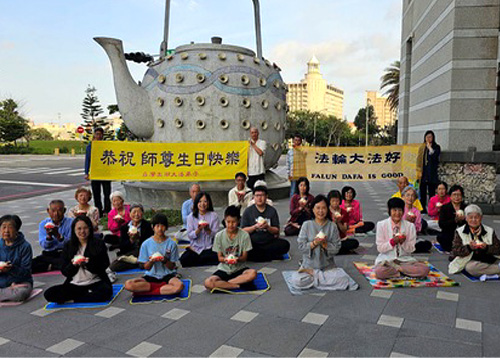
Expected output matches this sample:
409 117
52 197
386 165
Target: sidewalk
457 321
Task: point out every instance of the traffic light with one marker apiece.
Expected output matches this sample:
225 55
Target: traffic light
138 57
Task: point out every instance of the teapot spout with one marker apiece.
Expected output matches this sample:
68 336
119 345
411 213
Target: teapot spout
133 100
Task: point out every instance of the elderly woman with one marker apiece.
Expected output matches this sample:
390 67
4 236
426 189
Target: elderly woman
436 203
319 242
300 207
475 247
16 282
451 216
117 217
412 214
83 195
85 263
132 236
340 217
353 208
395 241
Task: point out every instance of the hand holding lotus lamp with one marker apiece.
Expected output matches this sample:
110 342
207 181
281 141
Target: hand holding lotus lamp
133 231
78 260
410 216
321 237
261 222
399 238
4 265
51 229
460 214
302 202
231 259
157 257
202 224
81 213
439 204
118 218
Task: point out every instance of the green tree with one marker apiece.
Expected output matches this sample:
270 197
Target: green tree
39 134
12 125
91 110
390 82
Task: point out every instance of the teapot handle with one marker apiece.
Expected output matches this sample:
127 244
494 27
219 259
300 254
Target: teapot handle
258 35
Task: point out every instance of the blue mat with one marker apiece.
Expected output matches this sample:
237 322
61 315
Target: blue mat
476 279
438 248
183 295
56 306
261 285
131 272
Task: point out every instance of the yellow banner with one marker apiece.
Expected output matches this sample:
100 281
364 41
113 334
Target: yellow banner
358 163
142 161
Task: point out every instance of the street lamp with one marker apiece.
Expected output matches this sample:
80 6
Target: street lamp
367 117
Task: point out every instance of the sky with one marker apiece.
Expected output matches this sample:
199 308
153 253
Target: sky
48 56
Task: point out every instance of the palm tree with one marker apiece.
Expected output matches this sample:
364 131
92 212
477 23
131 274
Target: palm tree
390 82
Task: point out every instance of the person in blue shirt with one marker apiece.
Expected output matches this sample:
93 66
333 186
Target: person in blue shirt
157 256
97 184
16 282
53 233
187 208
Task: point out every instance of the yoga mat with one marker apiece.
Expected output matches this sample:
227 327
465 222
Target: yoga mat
438 247
435 278
131 272
260 282
287 275
48 273
183 295
476 279
34 292
56 306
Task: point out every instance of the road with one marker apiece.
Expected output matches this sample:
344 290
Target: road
23 176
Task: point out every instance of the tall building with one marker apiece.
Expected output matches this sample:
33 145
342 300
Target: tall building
385 116
313 93
449 81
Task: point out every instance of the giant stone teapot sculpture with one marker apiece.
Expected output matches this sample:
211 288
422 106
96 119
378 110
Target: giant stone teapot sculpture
205 92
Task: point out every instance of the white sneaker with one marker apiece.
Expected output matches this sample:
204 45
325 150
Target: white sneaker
111 275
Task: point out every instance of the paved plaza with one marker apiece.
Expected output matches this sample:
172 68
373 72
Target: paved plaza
457 321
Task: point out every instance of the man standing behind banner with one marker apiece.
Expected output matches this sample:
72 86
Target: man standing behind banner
297 142
96 184
256 153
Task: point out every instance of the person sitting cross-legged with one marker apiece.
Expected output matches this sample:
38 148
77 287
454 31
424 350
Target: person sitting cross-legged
117 217
240 196
300 207
53 233
262 222
356 223
232 246
451 217
157 256
476 247
341 218
395 241
16 282
412 215
85 260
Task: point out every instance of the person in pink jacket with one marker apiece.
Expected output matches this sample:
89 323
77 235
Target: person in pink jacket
117 217
437 201
395 241
356 224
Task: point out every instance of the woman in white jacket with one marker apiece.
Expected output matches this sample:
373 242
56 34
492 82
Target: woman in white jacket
395 243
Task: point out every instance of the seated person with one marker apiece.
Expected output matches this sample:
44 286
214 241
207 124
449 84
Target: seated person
202 225
475 247
268 201
402 183
451 217
262 222
436 203
300 207
16 282
85 263
356 225
240 195
412 215
187 208
395 241
132 236
340 217
53 233
157 256
117 217
83 195
319 242
232 245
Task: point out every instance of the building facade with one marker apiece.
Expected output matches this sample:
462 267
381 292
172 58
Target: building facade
449 80
385 116
314 94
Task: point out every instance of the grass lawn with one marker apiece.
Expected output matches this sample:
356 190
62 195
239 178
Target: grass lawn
65 146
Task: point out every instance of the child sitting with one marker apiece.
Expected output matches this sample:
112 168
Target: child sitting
157 256
232 246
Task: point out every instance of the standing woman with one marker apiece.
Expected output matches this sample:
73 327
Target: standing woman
300 207
16 281
429 181
202 225
85 263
